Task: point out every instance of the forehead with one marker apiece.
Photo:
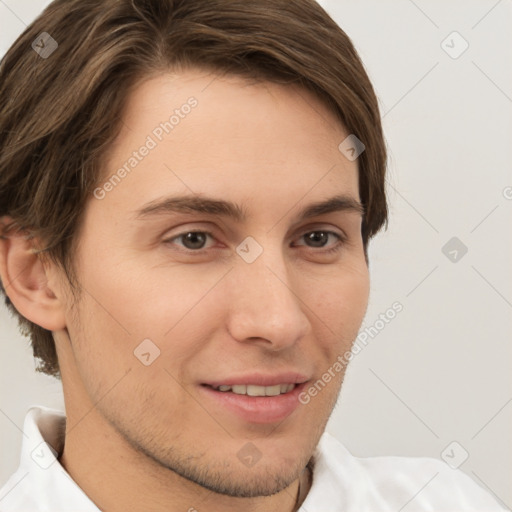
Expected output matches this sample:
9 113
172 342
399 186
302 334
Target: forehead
226 136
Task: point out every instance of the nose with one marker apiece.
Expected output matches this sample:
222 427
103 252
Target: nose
265 305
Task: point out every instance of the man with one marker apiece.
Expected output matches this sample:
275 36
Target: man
187 193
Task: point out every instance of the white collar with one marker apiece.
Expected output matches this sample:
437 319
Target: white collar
41 483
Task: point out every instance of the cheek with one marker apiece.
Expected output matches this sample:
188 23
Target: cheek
124 306
139 299
343 303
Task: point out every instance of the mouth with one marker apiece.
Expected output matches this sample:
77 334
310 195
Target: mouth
254 390
253 403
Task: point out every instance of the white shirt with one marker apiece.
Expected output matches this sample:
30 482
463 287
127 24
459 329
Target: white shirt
341 482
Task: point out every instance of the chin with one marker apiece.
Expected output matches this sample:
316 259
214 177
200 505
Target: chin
248 483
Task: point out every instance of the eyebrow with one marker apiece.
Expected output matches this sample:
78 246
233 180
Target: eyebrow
222 208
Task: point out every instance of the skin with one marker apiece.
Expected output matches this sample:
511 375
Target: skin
145 437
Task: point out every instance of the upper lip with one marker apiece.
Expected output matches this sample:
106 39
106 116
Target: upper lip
259 379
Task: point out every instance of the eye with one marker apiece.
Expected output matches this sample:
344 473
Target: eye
320 238
192 240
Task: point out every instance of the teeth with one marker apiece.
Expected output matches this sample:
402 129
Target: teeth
239 389
252 390
269 390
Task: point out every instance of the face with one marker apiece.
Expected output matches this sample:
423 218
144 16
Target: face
237 285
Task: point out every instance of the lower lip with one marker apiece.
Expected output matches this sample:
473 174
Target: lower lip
256 409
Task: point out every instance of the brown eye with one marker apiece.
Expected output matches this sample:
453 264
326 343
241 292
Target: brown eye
194 240
317 238
191 240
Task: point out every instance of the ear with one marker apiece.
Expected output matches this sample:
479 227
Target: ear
26 280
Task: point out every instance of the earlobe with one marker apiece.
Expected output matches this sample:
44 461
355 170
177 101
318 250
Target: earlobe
25 280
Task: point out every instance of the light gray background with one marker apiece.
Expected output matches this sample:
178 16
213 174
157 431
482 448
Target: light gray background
440 371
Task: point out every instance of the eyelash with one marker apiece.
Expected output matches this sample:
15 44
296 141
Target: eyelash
341 241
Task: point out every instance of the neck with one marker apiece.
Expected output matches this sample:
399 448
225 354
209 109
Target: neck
305 481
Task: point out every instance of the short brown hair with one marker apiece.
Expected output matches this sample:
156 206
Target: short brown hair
59 115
